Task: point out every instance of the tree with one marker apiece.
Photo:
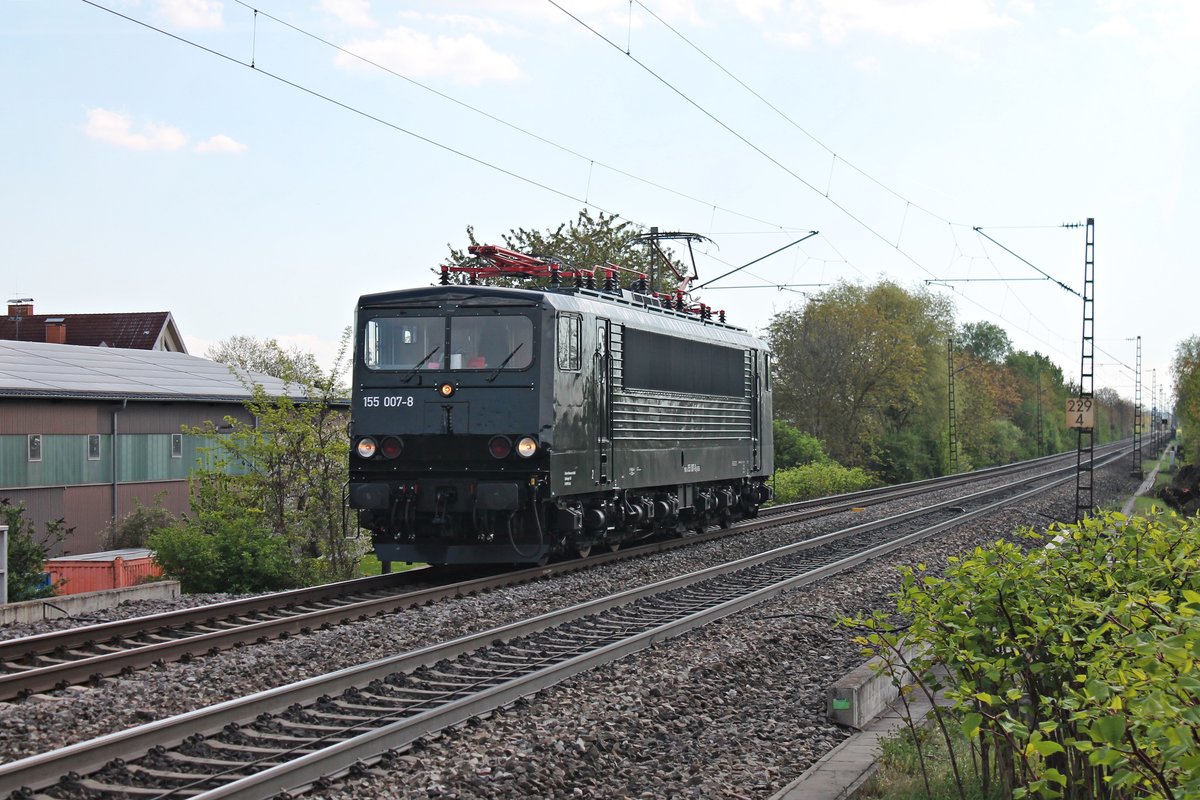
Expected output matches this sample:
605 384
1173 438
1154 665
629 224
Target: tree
286 470
1185 369
1038 382
586 243
27 551
986 341
135 528
266 356
856 363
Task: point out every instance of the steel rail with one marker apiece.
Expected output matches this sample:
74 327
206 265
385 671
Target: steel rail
62 671
44 769
71 638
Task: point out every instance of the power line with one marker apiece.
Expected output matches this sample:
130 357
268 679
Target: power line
352 109
760 258
685 97
346 106
501 121
788 119
862 172
1027 262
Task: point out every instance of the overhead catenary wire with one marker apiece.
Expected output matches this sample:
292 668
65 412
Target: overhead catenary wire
788 119
592 162
686 98
1026 261
835 158
586 201
350 108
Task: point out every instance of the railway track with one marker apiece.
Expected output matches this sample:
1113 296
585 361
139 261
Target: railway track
298 736
88 654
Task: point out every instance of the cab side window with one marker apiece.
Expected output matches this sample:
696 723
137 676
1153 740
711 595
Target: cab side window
570 355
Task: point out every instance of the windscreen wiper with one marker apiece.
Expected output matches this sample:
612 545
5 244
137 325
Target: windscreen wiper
413 372
504 363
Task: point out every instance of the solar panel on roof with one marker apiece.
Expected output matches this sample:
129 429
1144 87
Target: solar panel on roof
48 370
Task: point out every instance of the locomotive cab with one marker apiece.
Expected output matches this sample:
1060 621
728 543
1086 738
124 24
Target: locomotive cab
449 438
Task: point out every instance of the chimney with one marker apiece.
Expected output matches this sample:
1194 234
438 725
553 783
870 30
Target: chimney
20 309
56 330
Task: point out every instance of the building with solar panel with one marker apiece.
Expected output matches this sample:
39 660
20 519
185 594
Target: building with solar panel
87 431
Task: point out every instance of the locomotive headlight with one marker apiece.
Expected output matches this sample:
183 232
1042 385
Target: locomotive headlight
366 447
391 447
527 446
446 390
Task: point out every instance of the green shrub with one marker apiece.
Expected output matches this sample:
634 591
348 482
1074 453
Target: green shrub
238 554
819 480
136 527
906 455
27 552
1074 668
793 447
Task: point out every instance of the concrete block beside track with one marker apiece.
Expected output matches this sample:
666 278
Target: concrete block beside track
73 605
864 693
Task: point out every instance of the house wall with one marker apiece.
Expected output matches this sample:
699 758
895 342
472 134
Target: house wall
65 484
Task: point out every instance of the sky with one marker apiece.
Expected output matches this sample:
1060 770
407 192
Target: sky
255 167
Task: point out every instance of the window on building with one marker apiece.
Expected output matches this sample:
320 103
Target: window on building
35 447
176 445
570 352
93 447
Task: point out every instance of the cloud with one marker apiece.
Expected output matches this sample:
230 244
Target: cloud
220 144
789 38
755 10
459 22
920 22
463 59
192 13
355 13
115 128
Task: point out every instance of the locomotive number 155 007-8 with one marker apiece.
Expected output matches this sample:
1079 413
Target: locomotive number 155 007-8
389 401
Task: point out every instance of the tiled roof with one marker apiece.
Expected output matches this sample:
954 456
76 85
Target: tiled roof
131 331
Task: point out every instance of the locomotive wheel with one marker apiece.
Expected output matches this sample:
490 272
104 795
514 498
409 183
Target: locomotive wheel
583 550
614 547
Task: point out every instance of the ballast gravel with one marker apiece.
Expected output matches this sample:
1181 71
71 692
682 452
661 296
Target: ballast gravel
735 709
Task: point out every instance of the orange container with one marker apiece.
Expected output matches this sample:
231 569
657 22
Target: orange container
93 572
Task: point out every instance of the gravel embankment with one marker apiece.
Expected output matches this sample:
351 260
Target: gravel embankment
732 710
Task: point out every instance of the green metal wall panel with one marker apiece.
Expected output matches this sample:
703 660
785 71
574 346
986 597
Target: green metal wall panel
141 457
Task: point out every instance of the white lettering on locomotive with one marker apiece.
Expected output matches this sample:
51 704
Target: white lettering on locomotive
389 401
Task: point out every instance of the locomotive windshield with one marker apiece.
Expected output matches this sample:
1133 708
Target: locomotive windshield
448 343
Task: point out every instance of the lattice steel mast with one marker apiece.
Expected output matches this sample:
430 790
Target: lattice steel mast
1085 441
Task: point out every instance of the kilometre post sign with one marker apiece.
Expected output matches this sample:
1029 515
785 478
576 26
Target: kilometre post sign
1081 412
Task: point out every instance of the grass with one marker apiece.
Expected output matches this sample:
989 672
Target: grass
1144 504
900 776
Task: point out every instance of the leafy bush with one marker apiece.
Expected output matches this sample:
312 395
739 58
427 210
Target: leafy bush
819 480
793 447
136 527
1074 668
217 553
906 455
27 552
